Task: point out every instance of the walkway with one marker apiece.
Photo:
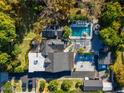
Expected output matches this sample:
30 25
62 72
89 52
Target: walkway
96 43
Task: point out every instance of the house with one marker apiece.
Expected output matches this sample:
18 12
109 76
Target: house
53 45
95 85
52 32
92 85
36 62
59 61
49 57
53 62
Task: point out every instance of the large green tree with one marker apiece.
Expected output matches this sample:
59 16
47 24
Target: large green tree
7 31
110 37
111 12
8 49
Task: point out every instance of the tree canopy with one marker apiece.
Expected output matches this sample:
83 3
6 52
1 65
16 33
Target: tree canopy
7 87
7 30
53 86
67 32
110 36
111 12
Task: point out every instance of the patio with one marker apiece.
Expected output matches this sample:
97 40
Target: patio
85 66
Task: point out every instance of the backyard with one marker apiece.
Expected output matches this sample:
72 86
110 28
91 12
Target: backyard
25 46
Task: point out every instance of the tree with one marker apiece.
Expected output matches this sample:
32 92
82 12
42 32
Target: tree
53 85
42 85
120 76
118 69
63 6
116 25
111 12
16 50
66 85
78 84
110 37
81 50
7 87
67 32
76 17
7 31
4 58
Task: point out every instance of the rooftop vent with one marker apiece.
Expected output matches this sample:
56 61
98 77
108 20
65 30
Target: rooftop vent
35 62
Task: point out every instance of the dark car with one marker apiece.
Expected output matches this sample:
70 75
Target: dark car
24 87
30 85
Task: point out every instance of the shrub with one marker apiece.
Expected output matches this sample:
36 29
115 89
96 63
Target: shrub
67 32
42 85
81 50
7 87
78 84
53 86
66 85
74 18
16 50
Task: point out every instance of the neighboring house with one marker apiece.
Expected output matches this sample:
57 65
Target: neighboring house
3 77
93 85
52 32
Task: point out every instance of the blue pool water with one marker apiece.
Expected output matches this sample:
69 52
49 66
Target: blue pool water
78 31
84 57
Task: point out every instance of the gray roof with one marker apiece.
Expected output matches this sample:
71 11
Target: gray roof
104 58
52 32
83 74
50 46
93 83
60 61
90 85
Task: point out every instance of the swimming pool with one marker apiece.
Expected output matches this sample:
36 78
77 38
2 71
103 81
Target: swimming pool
84 57
78 31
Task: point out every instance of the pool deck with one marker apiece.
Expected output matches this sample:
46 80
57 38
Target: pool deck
84 66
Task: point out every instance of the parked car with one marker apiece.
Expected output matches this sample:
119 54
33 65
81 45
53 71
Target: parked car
30 85
24 87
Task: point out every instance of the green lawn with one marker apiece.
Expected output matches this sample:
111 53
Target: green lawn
25 46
